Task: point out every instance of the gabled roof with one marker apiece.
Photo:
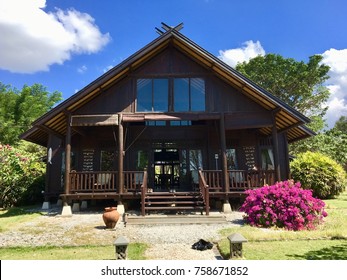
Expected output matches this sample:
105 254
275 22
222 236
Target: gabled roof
287 118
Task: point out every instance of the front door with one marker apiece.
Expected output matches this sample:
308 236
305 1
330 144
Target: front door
166 169
176 168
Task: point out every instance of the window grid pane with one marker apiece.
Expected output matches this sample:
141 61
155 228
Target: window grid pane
181 95
161 97
144 95
197 94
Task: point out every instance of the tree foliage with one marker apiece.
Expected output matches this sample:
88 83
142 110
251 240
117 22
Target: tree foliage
332 143
297 83
18 109
341 124
318 172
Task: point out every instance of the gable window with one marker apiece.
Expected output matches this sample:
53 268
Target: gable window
189 94
174 94
152 95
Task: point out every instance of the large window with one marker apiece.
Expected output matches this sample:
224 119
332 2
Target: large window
183 95
152 95
189 94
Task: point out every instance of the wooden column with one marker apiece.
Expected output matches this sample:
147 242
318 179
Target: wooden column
275 149
68 155
120 154
225 177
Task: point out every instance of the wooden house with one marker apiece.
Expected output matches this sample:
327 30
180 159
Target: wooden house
170 128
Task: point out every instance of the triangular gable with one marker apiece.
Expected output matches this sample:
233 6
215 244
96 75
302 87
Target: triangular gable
55 121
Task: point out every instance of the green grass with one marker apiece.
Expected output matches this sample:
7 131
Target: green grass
12 217
136 251
290 250
328 241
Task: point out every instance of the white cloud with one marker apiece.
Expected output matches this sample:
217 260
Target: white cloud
82 69
337 84
107 68
249 50
32 39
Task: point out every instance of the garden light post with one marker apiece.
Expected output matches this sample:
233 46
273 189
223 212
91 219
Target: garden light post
121 246
236 241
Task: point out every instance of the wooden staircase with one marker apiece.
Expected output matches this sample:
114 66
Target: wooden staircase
173 201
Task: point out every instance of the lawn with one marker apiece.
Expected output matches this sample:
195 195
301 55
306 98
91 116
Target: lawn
327 242
135 252
14 216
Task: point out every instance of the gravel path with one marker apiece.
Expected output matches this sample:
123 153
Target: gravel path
166 242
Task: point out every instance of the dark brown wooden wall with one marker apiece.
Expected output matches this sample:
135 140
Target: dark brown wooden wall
220 96
53 174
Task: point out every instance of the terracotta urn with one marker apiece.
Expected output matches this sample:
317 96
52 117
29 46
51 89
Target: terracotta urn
110 217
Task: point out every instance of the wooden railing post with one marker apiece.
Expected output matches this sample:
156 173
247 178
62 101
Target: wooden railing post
143 192
204 191
207 199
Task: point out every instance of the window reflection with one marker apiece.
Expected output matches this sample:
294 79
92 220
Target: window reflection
152 95
188 94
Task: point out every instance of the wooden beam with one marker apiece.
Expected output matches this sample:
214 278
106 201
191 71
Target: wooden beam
80 131
50 131
120 155
94 120
275 149
225 176
290 127
140 117
68 155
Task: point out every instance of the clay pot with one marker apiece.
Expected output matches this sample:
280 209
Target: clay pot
110 217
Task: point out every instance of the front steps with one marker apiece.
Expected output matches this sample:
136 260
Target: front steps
177 219
173 202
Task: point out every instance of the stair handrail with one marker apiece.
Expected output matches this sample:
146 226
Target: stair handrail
144 191
204 191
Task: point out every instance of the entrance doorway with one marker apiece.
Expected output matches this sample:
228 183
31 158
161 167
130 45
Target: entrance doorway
176 168
166 169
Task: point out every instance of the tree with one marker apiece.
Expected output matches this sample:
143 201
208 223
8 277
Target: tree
341 124
297 83
18 109
332 143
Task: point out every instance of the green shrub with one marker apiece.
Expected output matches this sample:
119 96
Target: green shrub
324 176
18 171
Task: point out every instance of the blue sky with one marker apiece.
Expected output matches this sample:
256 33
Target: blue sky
66 44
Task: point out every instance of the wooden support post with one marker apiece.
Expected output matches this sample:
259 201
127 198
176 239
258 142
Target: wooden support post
120 155
275 149
225 177
68 155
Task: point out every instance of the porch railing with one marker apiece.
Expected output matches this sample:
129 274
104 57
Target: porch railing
133 180
93 181
239 179
204 192
105 181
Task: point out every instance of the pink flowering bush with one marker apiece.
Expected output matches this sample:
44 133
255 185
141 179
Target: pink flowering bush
283 205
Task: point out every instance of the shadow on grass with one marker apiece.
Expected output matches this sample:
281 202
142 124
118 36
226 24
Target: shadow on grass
338 252
12 212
